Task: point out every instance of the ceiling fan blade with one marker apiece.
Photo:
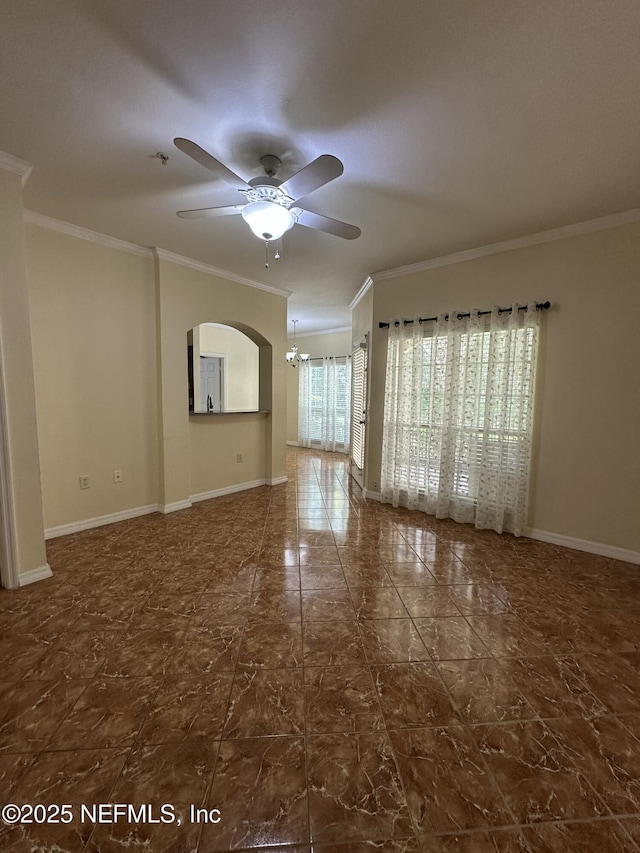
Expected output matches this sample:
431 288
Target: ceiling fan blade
205 159
227 210
316 174
331 226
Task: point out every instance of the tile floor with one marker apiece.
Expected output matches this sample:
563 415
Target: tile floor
328 673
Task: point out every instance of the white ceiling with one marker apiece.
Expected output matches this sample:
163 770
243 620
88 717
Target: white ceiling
460 123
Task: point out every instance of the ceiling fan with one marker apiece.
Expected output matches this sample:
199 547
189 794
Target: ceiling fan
270 207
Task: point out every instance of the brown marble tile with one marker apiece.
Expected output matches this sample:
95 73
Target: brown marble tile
388 845
373 602
109 713
83 776
232 580
76 654
180 836
506 635
48 617
366 575
166 773
496 841
585 837
12 768
205 650
631 825
188 708
355 792
259 787
322 577
551 686
165 611
613 678
392 641
412 694
537 778
276 580
107 611
324 555
447 784
274 556
483 692
275 606
396 553
182 577
607 754
332 643
450 638
427 601
410 574
341 699
31 711
309 538
265 702
477 599
319 605
221 608
20 653
271 645
141 652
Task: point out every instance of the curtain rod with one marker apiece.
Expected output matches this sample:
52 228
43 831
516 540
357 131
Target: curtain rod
322 357
540 306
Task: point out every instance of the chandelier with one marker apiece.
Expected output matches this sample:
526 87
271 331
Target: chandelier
293 356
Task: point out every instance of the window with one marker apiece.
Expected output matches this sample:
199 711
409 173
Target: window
458 417
324 403
358 405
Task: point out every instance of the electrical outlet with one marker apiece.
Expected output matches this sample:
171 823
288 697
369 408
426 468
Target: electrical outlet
84 481
117 476
238 457
375 485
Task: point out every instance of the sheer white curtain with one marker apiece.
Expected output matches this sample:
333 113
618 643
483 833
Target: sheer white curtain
458 416
324 402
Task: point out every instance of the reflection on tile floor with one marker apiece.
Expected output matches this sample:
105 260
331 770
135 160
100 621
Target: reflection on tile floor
329 673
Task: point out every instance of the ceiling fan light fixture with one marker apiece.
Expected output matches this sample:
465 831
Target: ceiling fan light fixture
267 219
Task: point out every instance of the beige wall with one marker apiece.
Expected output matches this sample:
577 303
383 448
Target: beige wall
109 347
331 343
20 427
586 464
241 365
186 298
94 330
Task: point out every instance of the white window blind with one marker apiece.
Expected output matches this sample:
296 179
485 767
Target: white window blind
358 405
324 403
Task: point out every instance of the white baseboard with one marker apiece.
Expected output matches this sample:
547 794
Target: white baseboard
277 481
293 444
174 507
228 490
34 575
370 495
99 521
587 545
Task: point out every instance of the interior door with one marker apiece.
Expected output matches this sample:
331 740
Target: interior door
211 383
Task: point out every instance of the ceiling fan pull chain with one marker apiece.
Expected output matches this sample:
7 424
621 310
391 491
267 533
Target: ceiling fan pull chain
266 254
278 253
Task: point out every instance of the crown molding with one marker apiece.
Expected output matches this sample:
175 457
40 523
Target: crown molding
164 255
52 224
14 164
550 236
321 332
365 286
